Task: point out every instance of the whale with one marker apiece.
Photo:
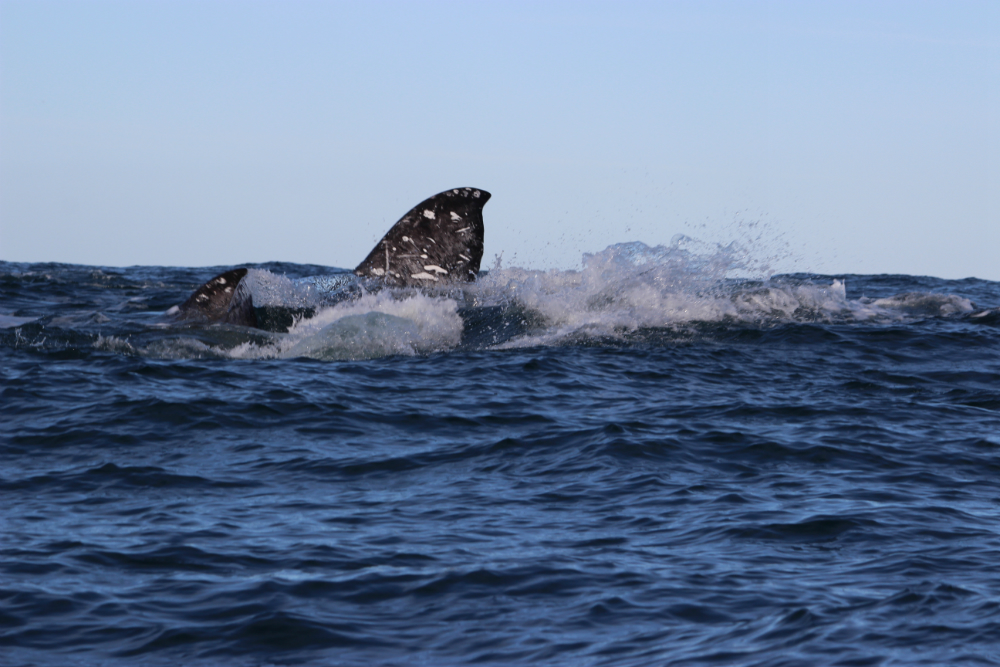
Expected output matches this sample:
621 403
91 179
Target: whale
438 242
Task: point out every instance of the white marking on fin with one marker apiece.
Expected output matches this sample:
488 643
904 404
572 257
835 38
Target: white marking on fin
429 214
221 281
463 229
377 271
475 193
467 259
424 256
435 268
455 216
423 275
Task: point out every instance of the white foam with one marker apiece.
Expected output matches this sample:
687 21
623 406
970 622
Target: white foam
633 286
375 325
114 344
622 289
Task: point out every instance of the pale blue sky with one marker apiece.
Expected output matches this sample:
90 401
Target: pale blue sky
865 136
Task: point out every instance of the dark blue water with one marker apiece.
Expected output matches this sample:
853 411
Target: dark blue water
640 463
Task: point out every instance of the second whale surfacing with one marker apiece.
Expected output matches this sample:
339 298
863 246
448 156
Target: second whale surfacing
439 241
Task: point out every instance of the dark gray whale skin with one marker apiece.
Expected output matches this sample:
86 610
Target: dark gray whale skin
439 241
223 299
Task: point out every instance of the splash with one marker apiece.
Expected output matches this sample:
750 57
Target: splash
627 292
376 325
632 286
271 289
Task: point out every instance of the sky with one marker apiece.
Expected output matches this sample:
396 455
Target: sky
830 137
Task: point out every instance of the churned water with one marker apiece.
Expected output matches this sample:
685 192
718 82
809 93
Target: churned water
644 462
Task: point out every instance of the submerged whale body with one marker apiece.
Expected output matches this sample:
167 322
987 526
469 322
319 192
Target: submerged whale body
439 241
225 298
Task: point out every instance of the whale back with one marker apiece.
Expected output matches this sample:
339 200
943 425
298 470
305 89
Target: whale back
439 241
225 298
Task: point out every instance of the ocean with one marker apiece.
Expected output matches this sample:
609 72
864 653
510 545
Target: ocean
656 459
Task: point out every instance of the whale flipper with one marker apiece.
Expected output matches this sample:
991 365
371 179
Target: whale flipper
225 298
440 240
